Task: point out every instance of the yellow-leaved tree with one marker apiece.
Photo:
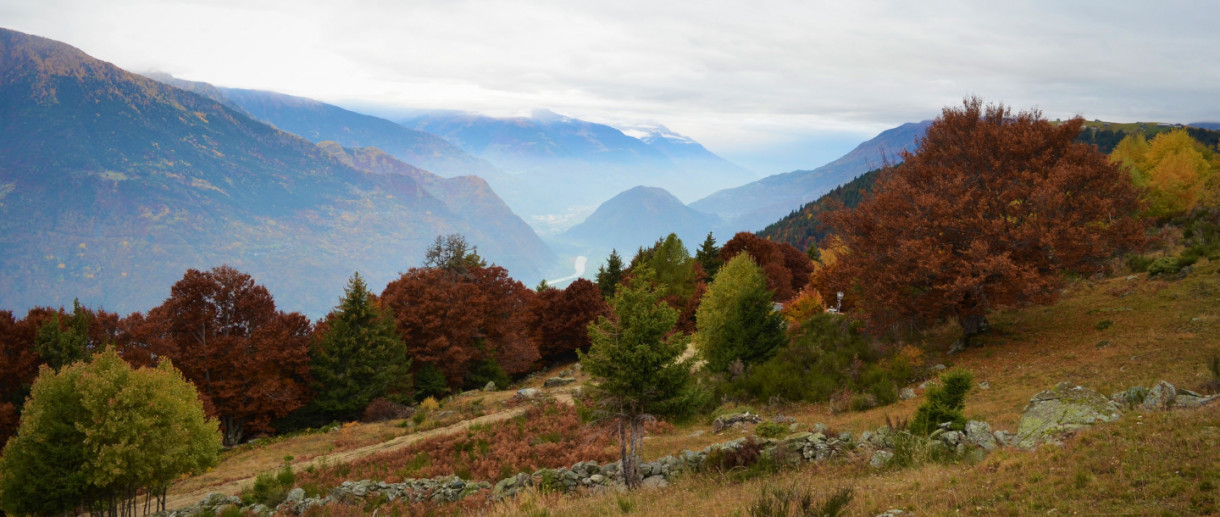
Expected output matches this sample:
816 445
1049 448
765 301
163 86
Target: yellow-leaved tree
1176 172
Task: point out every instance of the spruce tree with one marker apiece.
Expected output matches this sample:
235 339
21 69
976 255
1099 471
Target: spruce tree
634 361
609 275
359 357
708 256
736 319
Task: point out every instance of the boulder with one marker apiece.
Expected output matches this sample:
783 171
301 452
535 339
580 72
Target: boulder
555 382
295 495
654 482
979 434
906 394
528 393
726 421
1161 396
880 459
1063 410
1190 399
490 386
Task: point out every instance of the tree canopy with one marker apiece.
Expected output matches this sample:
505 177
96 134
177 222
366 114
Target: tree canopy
358 355
95 434
634 359
249 361
558 319
990 211
610 274
736 320
1174 170
787 268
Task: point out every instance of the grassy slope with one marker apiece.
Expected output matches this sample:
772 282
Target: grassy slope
1144 464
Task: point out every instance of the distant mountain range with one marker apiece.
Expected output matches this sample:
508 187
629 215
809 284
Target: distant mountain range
559 166
752 206
638 217
113 184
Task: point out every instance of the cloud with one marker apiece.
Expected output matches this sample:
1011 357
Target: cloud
734 75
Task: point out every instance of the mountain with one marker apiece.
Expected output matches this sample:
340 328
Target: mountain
113 184
755 205
559 168
804 226
317 122
637 217
1214 126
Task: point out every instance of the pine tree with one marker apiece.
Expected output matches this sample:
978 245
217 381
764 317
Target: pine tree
359 357
708 256
737 320
609 275
634 361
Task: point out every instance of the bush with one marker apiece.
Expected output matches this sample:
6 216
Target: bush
1138 263
487 370
380 410
944 403
771 430
1212 385
270 488
1164 266
799 502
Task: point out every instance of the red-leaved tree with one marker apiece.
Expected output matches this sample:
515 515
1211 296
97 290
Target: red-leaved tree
452 317
991 211
787 268
249 361
558 319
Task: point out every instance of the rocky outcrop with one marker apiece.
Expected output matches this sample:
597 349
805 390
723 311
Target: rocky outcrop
1052 414
555 382
726 421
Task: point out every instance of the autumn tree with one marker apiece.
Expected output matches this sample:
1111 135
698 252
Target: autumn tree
991 211
358 355
465 321
634 360
610 275
558 319
19 364
249 361
1173 170
737 320
452 252
708 256
94 435
787 268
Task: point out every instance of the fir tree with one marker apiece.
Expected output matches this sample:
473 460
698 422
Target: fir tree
708 256
634 361
609 275
359 357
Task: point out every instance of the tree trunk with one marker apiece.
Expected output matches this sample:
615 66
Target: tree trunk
972 325
627 452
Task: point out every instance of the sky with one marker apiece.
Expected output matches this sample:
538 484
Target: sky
771 85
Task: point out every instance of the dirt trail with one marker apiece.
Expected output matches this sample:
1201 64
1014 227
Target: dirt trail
175 501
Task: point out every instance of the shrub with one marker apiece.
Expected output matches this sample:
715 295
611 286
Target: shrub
771 430
429 405
270 488
1164 266
381 409
912 450
1103 324
1212 385
944 403
799 502
1138 263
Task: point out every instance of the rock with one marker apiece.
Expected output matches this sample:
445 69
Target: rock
490 386
695 434
1063 410
979 434
215 499
528 393
892 512
984 385
952 438
654 482
597 479
1132 398
295 495
906 394
880 459
782 419
819 427
555 382
938 367
1190 399
261 510
566 373
443 415
734 420
1161 396
1105 343
1004 438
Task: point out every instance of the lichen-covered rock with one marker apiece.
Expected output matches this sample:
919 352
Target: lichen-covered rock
1063 410
979 434
527 393
1190 399
880 459
490 386
654 482
906 394
555 382
1161 396
725 421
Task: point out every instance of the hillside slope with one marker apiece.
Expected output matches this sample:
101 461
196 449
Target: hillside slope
112 185
638 217
752 206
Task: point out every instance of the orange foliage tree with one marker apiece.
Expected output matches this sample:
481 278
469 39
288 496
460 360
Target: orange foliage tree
991 211
787 268
452 317
249 361
558 319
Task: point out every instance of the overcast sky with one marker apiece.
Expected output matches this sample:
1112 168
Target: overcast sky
773 85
